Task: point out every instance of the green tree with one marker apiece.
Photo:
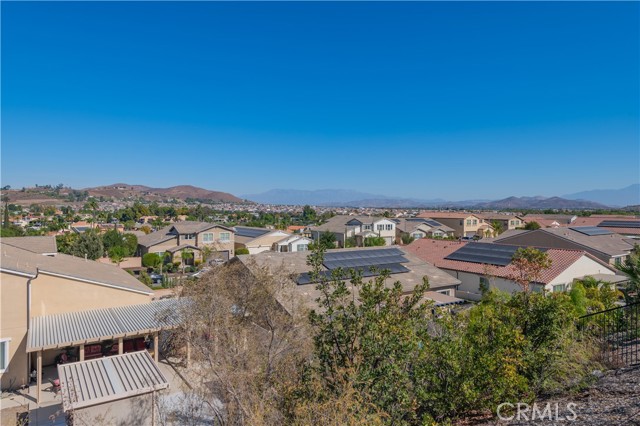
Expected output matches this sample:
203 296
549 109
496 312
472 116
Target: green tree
528 264
532 226
407 239
87 244
326 241
371 345
151 260
498 228
65 241
631 268
117 254
242 250
374 242
308 214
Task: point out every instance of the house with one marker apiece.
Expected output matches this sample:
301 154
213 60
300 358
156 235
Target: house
421 228
479 265
295 229
292 243
189 236
357 228
463 224
404 267
607 246
257 240
35 284
507 221
629 226
549 220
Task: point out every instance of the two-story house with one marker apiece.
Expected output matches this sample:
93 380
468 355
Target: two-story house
357 227
418 227
191 237
463 224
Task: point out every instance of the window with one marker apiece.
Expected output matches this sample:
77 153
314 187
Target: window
468 222
4 355
558 288
475 221
225 236
380 227
389 227
207 238
513 222
301 247
189 236
367 227
416 235
447 292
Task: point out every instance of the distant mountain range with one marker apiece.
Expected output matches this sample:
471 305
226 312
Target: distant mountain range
332 197
610 197
337 197
597 199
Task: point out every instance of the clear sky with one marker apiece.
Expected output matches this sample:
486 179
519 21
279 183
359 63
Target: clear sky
424 100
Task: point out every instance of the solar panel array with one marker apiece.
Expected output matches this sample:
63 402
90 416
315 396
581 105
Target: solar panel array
250 232
368 262
591 230
620 224
433 223
492 254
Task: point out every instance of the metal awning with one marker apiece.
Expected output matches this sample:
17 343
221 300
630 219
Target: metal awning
87 383
441 299
77 328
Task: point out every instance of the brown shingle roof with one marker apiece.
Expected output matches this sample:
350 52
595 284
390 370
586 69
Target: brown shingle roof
296 264
40 245
16 260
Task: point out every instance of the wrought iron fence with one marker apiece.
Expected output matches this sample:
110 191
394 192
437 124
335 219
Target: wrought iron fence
617 331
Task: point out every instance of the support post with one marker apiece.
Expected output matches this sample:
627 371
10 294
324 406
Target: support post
120 346
81 352
188 351
155 347
39 377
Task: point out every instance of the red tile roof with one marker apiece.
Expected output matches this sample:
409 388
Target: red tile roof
435 251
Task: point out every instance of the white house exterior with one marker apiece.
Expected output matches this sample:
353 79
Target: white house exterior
566 266
293 243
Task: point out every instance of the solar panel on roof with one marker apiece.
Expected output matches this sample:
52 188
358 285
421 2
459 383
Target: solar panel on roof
433 223
365 261
358 254
591 230
250 232
620 224
493 254
366 271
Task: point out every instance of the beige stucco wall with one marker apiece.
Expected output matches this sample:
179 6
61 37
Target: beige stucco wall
53 295
583 266
13 325
161 247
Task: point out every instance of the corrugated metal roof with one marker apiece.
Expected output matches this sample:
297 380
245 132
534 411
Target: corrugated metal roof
102 380
74 328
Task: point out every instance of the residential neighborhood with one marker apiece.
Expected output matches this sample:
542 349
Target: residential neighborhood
319 213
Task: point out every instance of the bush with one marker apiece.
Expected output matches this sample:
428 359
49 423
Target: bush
242 250
151 260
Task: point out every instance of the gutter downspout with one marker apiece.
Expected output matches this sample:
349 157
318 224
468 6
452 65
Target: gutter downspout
29 319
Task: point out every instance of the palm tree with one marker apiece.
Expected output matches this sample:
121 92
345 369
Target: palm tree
631 268
93 205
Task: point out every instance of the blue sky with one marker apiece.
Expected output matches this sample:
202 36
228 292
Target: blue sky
424 100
